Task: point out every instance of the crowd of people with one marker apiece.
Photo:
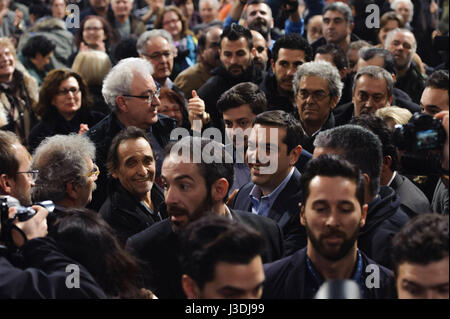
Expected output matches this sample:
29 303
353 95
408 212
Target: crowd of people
224 149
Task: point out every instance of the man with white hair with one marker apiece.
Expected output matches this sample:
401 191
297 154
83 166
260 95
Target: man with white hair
133 97
402 44
66 170
405 9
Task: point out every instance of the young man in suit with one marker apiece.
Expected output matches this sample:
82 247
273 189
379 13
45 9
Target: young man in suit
196 174
273 149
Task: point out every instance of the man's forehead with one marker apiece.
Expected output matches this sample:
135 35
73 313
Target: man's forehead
404 36
259 7
371 82
333 14
157 43
238 44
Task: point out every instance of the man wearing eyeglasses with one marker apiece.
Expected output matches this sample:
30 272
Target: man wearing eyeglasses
16 177
133 97
317 90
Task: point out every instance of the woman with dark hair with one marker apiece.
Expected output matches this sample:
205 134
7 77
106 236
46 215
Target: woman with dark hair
172 105
63 106
95 33
172 20
85 237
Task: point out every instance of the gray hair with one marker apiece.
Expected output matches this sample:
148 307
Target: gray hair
404 30
323 70
357 145
375 72
214 2
411 7
61 159
119 79
342 8
148 35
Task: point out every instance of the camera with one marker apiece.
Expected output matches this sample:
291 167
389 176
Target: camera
23 214
422 140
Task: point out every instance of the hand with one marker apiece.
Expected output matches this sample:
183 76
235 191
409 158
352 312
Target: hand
35 227
83 129
444 117
196 110
290 6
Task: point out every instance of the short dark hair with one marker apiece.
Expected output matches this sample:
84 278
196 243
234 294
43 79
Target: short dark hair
221 165
342 8
340 59
357 145
379 127
243 93
388 58
282 119
38 44
332 166
292 41
438 80
214 239
423 240
9 164
130 133
234 32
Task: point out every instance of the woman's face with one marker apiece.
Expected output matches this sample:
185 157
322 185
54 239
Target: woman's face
187 9
93 32
171 109
68 98
172 23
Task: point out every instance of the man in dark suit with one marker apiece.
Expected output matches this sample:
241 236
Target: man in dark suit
412 200
133 198
273 149
333 213
195 185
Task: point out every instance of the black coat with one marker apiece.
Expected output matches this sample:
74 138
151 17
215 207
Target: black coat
102 135
275 101
384 220
286 278
125 213
220 81
412 200
54 124
159 247
285 211
308 142
43 274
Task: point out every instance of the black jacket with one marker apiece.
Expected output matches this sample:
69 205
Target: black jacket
43 274
284 211
159 247
220 81
412 200
308 142
413 83
126 214
286 278
102 135
54 124
321 41
275 101
384 220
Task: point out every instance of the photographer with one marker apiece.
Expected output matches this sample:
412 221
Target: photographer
43 269
440 200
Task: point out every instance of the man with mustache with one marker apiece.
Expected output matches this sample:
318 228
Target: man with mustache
133 199
333 212
288 53
317 89
236 59
207 59
196 174
385 216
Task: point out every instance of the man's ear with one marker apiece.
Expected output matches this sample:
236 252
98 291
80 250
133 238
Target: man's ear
387 161
72 190
219 189
253 52
272 64
343 72
366 188
365 208
390 100
5 184
121 104
190 287
294 155
334 101
302 214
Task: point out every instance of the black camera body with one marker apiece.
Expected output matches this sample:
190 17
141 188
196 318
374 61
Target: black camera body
422 140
